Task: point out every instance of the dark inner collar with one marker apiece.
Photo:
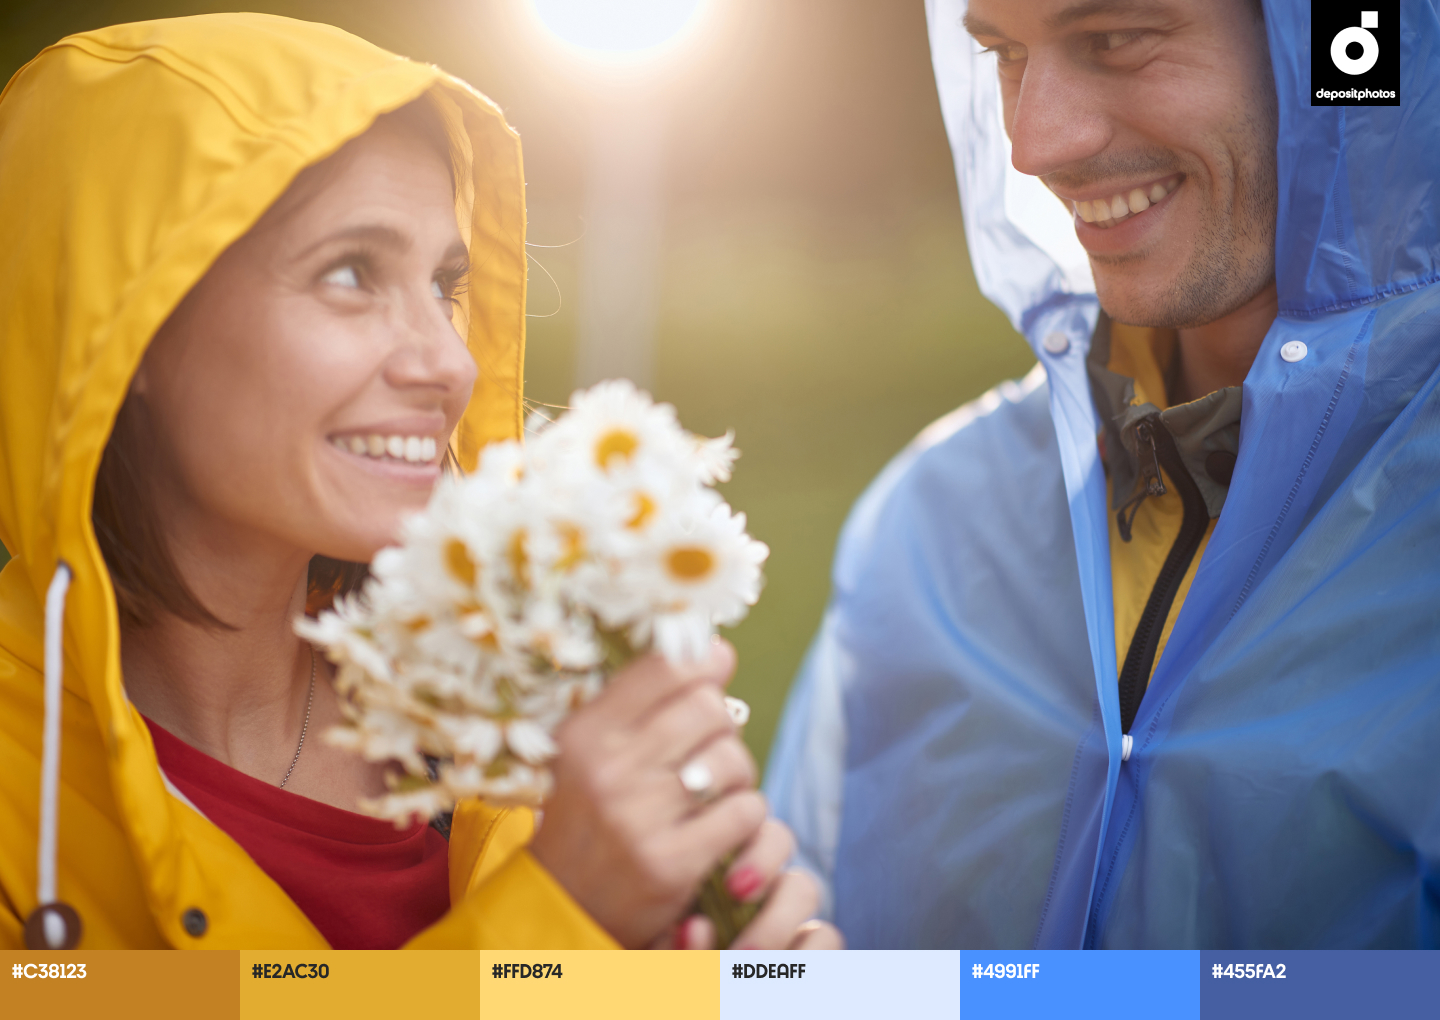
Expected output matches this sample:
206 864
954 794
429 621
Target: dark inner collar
1206 431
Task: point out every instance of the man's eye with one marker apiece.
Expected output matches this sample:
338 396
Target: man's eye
343 276
1108 42
1006 53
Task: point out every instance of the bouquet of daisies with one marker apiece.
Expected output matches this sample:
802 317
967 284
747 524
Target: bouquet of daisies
521 586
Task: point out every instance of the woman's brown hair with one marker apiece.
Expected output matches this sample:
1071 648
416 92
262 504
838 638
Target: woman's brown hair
146 580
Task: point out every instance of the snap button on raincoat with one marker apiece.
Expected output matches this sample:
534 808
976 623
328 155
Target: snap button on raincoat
951 755
130 158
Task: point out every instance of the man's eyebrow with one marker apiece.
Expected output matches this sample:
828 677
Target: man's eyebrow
1091 8
979 26
1072 14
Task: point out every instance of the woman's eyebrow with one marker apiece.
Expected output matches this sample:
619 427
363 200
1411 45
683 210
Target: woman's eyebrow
457 252
378 234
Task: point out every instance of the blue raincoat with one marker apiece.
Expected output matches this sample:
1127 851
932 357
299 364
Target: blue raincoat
950 757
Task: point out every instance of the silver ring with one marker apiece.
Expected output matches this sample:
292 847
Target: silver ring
739 711
698 781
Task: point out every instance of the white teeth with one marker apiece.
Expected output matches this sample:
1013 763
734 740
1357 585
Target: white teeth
1120 207
414 449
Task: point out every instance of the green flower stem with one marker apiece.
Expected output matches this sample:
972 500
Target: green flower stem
726 913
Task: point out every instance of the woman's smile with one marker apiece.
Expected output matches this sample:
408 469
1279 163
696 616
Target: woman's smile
410 449
394 454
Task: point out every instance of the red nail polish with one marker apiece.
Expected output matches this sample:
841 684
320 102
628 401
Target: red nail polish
745 882
681 938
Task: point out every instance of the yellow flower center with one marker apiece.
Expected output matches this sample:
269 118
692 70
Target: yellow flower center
458 562
615 443
644 510
519 558
690 563
574 540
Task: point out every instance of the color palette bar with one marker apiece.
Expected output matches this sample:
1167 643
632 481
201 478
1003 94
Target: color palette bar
1080 985
914 984
542 985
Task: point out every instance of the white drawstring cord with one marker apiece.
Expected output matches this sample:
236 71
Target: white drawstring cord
50 758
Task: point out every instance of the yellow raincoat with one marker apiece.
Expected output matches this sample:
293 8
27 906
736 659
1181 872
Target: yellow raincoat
130 158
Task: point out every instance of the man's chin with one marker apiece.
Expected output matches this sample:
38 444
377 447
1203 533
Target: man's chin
1132 302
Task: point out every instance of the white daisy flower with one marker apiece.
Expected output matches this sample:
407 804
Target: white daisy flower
404 806
613 428
680 637
700 561
715 458
530 742
474 737
494 616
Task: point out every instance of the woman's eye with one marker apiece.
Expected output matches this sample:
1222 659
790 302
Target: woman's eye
448 285
343 276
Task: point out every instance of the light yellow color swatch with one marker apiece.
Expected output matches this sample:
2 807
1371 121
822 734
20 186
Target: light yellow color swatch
601 985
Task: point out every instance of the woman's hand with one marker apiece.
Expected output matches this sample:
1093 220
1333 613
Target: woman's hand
620 832
791 898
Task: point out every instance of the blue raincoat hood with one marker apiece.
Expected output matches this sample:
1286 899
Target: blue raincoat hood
951 754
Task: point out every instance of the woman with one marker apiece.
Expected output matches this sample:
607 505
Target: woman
262 282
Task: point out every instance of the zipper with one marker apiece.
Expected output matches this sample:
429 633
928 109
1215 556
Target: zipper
1154 482
1140 659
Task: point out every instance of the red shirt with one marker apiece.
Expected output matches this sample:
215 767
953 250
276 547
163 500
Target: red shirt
361 881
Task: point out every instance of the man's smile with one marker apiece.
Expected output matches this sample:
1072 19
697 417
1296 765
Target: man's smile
1105 212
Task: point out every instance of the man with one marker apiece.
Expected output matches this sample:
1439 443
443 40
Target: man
1144 650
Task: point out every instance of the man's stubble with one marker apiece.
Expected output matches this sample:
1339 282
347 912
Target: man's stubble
1233 257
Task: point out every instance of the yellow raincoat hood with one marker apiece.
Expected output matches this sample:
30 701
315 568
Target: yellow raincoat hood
130 158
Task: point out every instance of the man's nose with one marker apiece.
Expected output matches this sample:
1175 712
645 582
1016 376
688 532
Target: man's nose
1058 118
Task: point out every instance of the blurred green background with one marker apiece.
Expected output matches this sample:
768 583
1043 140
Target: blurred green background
816 295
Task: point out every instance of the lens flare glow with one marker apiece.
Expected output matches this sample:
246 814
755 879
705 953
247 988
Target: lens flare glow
610 29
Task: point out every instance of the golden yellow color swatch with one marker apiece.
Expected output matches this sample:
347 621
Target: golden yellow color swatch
119 984
359 984
599 985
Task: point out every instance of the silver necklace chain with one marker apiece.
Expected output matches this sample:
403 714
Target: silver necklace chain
309 702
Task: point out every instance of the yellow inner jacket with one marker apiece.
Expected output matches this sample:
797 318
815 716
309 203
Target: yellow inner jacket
130 158
1145 355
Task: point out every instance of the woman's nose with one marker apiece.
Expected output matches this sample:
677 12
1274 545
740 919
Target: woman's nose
430 351
1058 120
